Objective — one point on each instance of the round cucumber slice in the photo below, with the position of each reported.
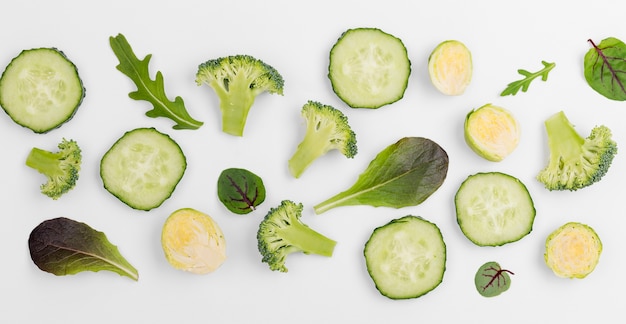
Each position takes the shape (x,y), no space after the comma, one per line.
(369,68)
(40,89)
(406,258)
(494,209)
(143,168)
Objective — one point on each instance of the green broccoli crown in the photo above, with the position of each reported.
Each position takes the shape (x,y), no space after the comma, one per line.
(327,129)
(61,168)
(256,74)
(576,162)
(282,232)
(238,80)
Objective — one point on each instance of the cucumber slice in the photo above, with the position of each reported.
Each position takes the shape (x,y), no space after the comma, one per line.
(40,89)
(494,209)
(369,68)
(143,168)
(406,258)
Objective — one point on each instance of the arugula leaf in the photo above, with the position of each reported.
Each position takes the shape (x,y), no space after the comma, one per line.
(491,280)
(150,90)
(403,174)
(605,68)
(240,190)
(524,83)
(62,246)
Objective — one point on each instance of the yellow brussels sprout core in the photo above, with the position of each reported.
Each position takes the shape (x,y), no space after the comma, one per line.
(492,132)
(192,241)
(573,250)
(450,67)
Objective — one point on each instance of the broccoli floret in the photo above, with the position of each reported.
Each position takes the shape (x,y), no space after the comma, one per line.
(238,80)
(327,129)
(282,232)
(61,167)
(575,162)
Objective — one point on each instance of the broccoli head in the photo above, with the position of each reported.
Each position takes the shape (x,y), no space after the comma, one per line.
(575,162)
(238,80)
(61,167)
(282,232)
(327,129)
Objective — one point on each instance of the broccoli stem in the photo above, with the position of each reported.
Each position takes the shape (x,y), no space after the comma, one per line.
(235,105)
(563,138)
(307,240)
(45,162)
(312,147)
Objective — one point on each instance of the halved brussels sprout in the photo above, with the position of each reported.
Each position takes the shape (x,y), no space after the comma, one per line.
(492,132)
(573,250)
(192,241)
(450,67)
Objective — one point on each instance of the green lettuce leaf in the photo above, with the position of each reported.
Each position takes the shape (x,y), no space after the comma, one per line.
(605,68)
(62,246)
(150,90)
(403,174)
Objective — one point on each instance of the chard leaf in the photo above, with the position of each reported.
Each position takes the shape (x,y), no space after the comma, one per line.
(403,174)
(62,246)
(491,280)
(605,68)
(150,90)
(240,190)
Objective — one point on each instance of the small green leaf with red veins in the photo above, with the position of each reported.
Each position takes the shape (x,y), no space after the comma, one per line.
(491,280)
(240,190)
(605,68)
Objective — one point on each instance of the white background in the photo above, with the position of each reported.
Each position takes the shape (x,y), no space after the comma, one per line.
(295,37)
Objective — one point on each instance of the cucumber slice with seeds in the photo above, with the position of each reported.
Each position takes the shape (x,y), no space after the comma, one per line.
(494,209)
(143,168)
(40,89)
(369,68)
(406,258)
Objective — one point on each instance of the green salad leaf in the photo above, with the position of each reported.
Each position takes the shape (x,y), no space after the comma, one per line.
(491,280)
(524,83)
(63,246)
(605,68)
(403,174)
(240,190)
(150,90)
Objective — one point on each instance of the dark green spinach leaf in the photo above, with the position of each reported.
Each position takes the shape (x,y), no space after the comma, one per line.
(403,174)
(605,68)
(240,190)
(63,246)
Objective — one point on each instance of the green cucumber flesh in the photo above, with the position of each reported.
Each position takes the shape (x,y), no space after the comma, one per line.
(369,68)
(143,168)
(40,89)
(406,258)
(494,209)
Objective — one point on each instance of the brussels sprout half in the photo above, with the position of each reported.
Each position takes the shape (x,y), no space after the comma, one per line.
(492,132)
(573,250)
(192,241)
(450,67)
